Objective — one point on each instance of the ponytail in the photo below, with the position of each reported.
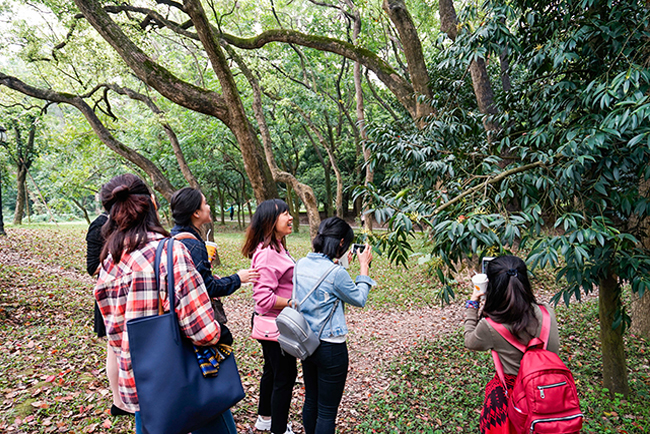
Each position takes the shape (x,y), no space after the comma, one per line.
(132,215)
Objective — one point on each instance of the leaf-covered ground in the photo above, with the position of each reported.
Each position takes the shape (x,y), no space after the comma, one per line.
(409,371)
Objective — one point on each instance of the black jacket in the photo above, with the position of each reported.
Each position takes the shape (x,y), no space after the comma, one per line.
(95,243)
(215,287)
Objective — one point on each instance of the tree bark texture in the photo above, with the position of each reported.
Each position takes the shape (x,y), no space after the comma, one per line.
(412,47)
(640,313)
(305,192)
(159,182)
(259,174)
(640,307)
(361,118)
(613,347)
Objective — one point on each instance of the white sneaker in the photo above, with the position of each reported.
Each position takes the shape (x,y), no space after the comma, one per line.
(289,431)
(263,425)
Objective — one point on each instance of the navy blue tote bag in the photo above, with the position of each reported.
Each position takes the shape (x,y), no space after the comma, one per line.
(174,396)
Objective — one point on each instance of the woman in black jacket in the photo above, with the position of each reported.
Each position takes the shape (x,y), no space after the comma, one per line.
(190,211)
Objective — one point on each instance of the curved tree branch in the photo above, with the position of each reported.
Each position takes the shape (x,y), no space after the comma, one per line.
(305,192)
(173,139)
(154,75)
(158,179)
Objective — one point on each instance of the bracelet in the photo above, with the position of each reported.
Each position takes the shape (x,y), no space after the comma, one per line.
(289,302)
(471,304)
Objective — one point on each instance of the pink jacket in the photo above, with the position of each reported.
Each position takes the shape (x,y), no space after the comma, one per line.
(276,279)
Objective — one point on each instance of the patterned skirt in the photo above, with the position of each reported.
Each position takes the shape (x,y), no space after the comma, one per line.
(494,416)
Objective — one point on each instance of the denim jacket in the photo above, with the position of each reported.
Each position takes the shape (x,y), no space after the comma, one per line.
(337,285)
(215,287)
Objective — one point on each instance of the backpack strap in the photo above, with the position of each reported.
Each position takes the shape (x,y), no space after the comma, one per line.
(184,236)
(545,333)
(315,286)
(512,340)
(336,303)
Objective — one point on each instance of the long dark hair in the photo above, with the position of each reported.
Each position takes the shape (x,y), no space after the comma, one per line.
(330,233)
(509,298)
(262,227)
(132,215)
(183,203)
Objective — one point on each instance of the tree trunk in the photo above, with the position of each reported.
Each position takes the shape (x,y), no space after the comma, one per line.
(259,173)
(222,202)
(28,209)
(412,46)
(613,347)
(292,210)
(21,175)
(82,208)
(640,308)
(640,313)
(330,154)
(478,71)
(305,192)
(229,109)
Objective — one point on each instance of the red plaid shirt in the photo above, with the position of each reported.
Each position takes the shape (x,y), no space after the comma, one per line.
(128,290)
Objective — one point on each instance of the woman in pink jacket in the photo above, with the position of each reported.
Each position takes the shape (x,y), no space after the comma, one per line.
(265,245)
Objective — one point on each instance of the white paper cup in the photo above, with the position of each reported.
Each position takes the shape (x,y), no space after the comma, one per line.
(480,282)
(211,247)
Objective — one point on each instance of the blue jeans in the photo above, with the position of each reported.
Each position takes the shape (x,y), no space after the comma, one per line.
(224,424)
(324,373)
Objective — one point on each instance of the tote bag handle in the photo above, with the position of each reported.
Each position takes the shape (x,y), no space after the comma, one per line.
(171,293)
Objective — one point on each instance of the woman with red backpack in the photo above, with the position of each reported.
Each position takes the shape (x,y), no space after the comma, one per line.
(509,301)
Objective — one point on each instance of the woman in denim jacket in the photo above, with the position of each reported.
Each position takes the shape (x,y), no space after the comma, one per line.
(326,370)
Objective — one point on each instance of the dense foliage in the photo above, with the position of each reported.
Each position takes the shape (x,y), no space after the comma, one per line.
(570,154)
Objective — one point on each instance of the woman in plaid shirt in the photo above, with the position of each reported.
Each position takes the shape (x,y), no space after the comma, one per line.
(126,287)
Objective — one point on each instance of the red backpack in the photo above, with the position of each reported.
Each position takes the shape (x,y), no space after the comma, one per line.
(544,398)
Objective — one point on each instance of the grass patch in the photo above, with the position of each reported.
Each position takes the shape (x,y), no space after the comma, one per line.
(438,387)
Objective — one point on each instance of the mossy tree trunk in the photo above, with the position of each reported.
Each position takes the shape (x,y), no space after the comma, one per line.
(613,347)
(227,108)
(412,47)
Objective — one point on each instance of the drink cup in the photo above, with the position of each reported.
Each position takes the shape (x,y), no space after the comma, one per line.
(211,247)
(480,282)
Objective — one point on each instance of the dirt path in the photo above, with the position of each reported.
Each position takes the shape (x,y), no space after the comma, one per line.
(376,337)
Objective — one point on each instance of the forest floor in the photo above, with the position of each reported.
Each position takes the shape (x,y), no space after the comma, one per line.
(408,369)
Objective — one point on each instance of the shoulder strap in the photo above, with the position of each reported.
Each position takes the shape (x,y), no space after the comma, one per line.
(512,340)
(170,274)
(336,303)
(316,285)
(506,334)
(156,270)
(545,332)
(184,236)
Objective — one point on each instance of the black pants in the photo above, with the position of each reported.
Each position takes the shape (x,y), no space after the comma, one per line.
(276,385)
(325,373)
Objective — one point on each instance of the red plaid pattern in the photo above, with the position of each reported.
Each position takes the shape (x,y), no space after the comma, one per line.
(127,290)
